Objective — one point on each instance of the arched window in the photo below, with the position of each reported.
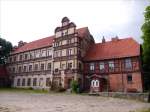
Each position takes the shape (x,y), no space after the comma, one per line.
(95,83)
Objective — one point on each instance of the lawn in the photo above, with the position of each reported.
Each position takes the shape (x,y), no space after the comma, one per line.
(25,90)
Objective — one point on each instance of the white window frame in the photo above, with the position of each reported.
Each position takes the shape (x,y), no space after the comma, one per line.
(95,83)
(92,66)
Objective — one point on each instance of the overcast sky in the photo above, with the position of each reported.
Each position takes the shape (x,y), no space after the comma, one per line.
(30,20)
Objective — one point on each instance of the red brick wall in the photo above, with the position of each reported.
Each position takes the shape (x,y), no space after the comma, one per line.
(117,84)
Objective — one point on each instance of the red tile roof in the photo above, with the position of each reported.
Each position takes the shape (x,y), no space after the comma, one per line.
(45,42)
(113,49)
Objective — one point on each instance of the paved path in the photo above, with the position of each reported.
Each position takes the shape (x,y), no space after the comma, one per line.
(28,102)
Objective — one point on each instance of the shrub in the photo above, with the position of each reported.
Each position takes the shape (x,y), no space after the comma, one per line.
(74,86)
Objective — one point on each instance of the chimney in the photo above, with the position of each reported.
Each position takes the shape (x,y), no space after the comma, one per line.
(103,39)
(21,43)
(115,39)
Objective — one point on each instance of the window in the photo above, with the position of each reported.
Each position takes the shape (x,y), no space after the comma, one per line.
(41,82)
(101,66)
(19,68)
(18,82)
(25,68)
(129,78)
(91,66)
(9,69)
(42,66)
(111,65)
(56,69)
(63,66)
(36,67)
(43,53)
(26,56)
(66,33)
(14,58)
(69,65)
(60,53)
(30,67)
(69,52)
(31,55)
(128,64)
(62,34)
(95,83)
(10,59)
(23,82)
(56,53)
(80,66)
(37,53)
(69,41)
(57,44)
(20,57)
(29,82)
(34,81)
(48,82)
(13,69)
(49,66)
(49,53)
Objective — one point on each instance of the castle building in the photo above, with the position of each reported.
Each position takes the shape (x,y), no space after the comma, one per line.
(72,54)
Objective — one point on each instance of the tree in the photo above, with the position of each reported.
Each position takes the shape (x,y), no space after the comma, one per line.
(146,37)
(146,46)
(5,49)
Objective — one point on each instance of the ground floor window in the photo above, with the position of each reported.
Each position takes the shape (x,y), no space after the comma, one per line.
(29,82)
(129,78)
(34,81)
(23,82)
(41,82)
(47,81)
(18,82)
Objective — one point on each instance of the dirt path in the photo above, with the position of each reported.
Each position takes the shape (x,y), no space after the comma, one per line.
(28,102)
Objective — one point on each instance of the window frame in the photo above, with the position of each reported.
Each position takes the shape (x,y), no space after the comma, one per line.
(92,66)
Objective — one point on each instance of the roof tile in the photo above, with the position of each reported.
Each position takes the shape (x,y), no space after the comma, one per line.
(113,49)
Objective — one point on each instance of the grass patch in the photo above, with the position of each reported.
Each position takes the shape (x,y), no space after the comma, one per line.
(25,90)
(144,110)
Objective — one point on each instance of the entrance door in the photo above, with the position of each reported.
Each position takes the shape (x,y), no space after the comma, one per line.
(95,84)
(69,83)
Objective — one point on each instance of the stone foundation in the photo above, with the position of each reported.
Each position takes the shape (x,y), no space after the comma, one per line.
(135,96)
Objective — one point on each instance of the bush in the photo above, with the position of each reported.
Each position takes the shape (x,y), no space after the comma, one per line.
(75,86)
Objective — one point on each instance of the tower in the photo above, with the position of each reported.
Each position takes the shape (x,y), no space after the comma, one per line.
(65,54)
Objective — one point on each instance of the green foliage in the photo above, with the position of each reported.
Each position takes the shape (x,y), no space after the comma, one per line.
(24,90)
(146,38)
(5,48)
(74,86)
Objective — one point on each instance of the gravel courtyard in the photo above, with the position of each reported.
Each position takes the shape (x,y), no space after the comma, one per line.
(32,102)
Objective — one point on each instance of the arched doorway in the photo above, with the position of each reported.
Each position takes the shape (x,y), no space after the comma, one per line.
(98,83)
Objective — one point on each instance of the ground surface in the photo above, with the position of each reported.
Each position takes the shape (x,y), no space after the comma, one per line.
(37,102)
